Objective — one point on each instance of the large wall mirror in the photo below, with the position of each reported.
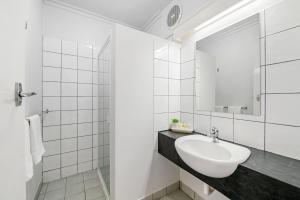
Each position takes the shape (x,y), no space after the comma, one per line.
(228,69)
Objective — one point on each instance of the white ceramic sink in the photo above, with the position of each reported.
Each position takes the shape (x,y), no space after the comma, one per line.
(216,160)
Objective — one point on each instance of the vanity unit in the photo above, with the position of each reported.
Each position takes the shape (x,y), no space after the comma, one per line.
(263,176)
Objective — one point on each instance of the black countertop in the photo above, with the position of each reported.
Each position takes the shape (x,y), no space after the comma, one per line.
(263,176)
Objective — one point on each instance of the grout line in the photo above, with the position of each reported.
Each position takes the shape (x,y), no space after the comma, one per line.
(265,89)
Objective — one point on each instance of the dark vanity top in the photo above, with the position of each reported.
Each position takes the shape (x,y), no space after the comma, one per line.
(263,176)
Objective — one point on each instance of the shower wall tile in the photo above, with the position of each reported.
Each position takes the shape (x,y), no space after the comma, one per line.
(51,59)
(69,61)
(70,93)
(69,47)
(52,44)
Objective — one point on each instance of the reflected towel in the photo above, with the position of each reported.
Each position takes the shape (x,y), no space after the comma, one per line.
(28,157)
(235,109)
(219,108)
(36,143)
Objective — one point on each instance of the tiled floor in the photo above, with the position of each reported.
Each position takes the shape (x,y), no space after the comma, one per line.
(177,195)
(85,186)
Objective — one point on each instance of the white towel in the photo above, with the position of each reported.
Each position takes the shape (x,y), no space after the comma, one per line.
(235,109)
(219,108)
(36,143)
(28,157)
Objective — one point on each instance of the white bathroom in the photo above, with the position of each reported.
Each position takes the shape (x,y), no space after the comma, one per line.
(150,100)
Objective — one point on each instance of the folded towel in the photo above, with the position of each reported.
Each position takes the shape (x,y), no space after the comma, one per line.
(36,143)
(235,109)
(28,157)
(219,108)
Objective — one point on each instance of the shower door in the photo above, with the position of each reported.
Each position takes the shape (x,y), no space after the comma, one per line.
(104,113)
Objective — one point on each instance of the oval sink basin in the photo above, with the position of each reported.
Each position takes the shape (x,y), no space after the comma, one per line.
(216,160)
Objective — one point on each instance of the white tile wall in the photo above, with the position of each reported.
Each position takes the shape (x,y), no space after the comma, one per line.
(283,78)
(70,82)
(225,127)
(249,133)
(276,129)
(283,140)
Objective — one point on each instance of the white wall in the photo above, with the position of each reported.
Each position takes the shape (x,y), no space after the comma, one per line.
(277,127)
(67,24)
(137,169)
(33,79)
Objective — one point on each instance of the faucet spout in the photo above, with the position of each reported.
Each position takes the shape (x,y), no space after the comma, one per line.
(214,134)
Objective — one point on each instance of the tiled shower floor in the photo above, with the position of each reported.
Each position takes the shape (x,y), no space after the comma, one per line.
(84,186)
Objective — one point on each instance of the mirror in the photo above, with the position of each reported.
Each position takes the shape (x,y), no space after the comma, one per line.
(228,69)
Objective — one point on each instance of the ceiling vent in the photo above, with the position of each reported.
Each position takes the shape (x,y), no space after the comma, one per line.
(174,16)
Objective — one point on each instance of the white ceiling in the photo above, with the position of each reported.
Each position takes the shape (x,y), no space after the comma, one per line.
(132,12)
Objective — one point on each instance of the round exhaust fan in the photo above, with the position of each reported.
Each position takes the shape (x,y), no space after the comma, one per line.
(174,16)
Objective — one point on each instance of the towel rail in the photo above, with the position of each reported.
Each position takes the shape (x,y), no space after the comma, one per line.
(41,115)
(243,108)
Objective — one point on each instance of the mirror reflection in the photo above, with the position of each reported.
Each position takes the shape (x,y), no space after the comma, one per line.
(227,69)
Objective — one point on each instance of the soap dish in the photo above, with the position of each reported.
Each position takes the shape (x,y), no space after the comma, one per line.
(181,130)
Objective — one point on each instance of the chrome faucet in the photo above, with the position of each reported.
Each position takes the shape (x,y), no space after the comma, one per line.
(214,134)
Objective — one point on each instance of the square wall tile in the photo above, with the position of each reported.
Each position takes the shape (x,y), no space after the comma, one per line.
(283,140)
(85,90)
(174,53)
(225,127)
(160,86)
(174,103)
(85,116)
(51,133)
(188,119)
(160,104)
(174,71)
(85,129)
(68,171)
(283,109)
(52,44)
(51,74)
(86,166)
(51,119)
(68,131)
(283,78)
(51,162)
(187,70)
(187,104)
(85,76)
(51,59)
(174,87)
(161,68)
(52,147)
(69,75)
(68,145)
(281,47)
(51,103)
(249,133)
(85,63)
(85,103)
(69,47)
(69,61)
(202,124)
(161,122)
(69,89)
(68,159)
(187,87)
(51,89)
(68,117)
(51,175)
(85,142)
(69,103)
(161,50)
(85,50)
(85,155)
